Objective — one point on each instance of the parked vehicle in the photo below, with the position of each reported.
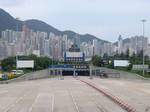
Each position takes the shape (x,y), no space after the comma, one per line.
(17,72)
(11,75)
(4,76)
(1,75)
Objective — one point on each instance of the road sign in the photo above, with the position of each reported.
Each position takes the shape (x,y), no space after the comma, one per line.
(61,66)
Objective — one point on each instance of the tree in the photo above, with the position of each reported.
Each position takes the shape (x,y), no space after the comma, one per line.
(105,56)
(127,54)
(136,59)
(140,54)
(96,60)
(8,64)
(39,62)
(122,56)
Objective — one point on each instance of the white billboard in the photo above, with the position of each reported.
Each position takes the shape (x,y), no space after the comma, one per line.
(74,54)
(139,67)
(36,52)
(25,64)
(121,63)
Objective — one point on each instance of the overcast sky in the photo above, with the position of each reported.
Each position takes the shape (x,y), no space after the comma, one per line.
(106,19)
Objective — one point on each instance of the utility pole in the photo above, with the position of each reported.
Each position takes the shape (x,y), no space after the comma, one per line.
(143,22)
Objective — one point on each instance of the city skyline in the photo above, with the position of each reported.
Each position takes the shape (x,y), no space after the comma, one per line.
(28,42)
(104,19)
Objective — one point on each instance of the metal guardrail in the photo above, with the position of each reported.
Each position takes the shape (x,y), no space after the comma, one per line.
(113,75)
(109,74)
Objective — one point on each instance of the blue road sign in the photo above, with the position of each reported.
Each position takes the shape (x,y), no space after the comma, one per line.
(61,66)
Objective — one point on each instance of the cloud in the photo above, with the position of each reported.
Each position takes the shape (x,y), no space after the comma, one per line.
(103,18)
(11,3)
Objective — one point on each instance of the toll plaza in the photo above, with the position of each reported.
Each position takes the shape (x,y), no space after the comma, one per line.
(74,70)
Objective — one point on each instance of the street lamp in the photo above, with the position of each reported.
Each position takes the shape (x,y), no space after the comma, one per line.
(16,33)
(143,21)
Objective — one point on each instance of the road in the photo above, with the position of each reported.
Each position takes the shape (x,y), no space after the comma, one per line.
(53,95)
(134,92)
(71,95)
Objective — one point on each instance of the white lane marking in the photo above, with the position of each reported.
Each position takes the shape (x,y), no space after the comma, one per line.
(17,101)
(31,108)
(36,99)
(75,103)
(53,101)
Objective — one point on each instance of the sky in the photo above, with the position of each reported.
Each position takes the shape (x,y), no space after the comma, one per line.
(106,19)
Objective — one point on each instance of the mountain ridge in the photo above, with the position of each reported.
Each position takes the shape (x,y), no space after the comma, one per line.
(9,22)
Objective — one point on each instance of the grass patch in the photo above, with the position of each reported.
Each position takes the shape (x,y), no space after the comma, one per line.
(139,72)
(122,68)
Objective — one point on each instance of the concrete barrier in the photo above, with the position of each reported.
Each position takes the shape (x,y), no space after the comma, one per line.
(115,99)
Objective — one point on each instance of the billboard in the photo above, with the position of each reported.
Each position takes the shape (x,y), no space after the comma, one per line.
(121,63)
(140,67)
(25,63)
(36,52)
(74,54)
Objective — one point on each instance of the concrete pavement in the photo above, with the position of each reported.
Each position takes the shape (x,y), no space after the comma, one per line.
(71,95)
(134,92)
(53,95)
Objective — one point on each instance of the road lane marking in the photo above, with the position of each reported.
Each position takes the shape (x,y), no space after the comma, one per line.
(31,108)
(16,102)
(74,102)
(53,101)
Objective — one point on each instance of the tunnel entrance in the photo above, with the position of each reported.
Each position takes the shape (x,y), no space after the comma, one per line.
(83,73)
(67,73)
(69,70)
(79,73)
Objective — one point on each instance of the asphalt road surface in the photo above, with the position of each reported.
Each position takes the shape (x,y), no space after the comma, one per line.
(71,95)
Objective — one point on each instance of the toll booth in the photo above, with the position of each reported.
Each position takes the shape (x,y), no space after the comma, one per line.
(74,70)
(58,70)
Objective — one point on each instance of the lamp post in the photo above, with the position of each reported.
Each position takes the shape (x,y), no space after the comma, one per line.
(16,36)
(143,22)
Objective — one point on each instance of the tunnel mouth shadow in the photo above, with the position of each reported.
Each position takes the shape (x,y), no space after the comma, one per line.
(79,73)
